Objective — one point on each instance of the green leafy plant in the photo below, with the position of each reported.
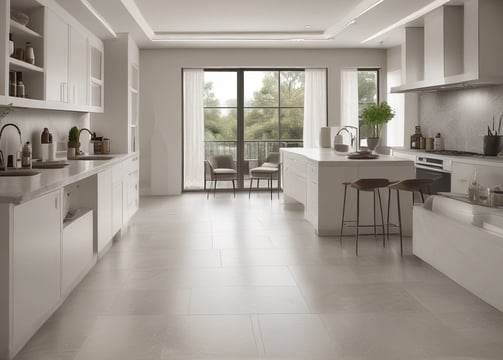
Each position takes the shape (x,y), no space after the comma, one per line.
(73,135)
(376,115)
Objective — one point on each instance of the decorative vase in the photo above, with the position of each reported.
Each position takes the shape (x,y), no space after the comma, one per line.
(372,143)
(74,144)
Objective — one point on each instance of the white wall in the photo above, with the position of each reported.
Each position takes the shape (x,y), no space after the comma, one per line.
(31,122)
(161,97)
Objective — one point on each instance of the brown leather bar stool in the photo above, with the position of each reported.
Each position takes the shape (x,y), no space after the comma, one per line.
(410,185)
(373,185)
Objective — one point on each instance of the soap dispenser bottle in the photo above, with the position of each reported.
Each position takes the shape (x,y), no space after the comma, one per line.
(26,156)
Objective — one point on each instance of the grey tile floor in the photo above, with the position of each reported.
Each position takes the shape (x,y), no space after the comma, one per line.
(232,278)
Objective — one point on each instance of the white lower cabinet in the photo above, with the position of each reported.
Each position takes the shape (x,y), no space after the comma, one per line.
(77,249)
(104,208)
(36,271)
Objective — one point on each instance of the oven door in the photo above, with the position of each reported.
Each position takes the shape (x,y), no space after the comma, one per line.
(442,180)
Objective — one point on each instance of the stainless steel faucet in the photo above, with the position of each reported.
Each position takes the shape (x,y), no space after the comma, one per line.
(93,135)
(3,165)
(354,137)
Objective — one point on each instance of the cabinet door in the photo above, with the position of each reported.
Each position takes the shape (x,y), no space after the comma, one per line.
(36,264)
(57,58)
(104,216)
(78,68)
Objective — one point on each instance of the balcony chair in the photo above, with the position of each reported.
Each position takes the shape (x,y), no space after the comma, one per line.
(269,171)
(220,168)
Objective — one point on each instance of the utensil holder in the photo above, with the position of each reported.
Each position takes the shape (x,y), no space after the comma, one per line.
(491,145)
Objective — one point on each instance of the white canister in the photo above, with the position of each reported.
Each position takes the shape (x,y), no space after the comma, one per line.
(51,149)
(325,137)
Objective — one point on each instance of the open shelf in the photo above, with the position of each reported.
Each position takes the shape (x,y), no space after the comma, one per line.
(18,29)
(20,65)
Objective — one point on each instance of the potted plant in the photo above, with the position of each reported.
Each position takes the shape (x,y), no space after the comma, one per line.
(375,116)
(73,139)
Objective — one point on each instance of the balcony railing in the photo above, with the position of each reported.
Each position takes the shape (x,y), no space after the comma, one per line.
(254,150)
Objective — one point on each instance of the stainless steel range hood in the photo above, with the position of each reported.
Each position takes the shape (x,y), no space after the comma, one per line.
(463,81)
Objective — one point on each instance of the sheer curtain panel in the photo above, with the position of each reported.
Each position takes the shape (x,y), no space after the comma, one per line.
(193,128)
(315,106)
(349,97)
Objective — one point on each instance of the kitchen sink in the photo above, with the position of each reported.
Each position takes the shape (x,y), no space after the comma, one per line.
(93,157)
(19,172)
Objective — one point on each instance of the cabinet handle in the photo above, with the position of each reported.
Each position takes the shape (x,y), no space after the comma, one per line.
(55,202)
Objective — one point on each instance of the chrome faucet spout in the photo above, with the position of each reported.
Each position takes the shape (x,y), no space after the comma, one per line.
(93,135)
(353,137)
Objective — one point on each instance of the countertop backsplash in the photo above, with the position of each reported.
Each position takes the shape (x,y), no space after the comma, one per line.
(31,122)
(460,116)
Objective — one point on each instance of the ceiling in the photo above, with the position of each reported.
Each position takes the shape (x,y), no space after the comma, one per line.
(257,23)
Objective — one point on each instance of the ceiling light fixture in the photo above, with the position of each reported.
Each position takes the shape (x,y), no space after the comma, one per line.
(415,15)
(369,8)
(98,16)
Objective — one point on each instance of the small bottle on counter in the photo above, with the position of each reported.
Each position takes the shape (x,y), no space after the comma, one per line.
(415,140)
(438,144)
(26,156)
(12,83)
(45,137)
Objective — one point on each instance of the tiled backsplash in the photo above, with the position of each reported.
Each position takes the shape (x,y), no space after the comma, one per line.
(460,116)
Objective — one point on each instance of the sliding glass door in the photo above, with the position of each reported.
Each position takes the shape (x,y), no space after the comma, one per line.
(250,113)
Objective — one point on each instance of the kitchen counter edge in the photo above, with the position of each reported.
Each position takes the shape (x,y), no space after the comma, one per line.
(81,172)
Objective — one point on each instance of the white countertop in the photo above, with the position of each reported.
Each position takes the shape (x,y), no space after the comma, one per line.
(328,157)
(476,160)
(18,189)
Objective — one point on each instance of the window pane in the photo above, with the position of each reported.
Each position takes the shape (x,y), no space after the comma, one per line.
(220,88)
(261,88)
(292,123)
(261,124)
(220,124)
(367,88)
(292,88)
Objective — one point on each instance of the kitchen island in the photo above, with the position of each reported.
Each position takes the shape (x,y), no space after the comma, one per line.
(314,177)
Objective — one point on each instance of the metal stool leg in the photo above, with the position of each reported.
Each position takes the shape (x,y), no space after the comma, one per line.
(399,220)
(215,188)
(387,219)
(422,195)
(343,212)
(251,184)
(382,220)
(375,227)
(357,218)
(270,180)
(234,188)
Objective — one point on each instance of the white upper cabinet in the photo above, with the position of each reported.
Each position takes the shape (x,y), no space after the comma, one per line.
(79,73)
(56,81)
(461,48)
(65,53)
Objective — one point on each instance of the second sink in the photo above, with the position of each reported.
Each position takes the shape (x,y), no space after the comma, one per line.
(93,157)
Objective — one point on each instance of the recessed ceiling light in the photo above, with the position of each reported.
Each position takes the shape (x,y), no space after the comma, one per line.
(307,27)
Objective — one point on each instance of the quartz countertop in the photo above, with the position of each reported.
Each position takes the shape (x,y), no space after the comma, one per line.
(18,189)
(476,159)
(328,157)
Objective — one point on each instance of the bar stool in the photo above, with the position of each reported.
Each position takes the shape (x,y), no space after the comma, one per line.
(410,185)
(373,185)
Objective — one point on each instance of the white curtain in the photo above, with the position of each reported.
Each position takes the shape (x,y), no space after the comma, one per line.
(349,97)
(315,106)
(193,128)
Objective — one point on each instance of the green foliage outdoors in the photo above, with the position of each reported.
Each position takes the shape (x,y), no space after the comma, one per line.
(262,116)
(376,115)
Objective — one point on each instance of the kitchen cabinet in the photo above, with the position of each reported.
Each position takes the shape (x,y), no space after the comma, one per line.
(117,197)
(131,186)
(76,249)
(57,58)
(104,211)
(65,55)
(314,178)
(36,273)
(120,121)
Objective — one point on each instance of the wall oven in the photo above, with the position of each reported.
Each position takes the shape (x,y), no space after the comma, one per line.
(439,170)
